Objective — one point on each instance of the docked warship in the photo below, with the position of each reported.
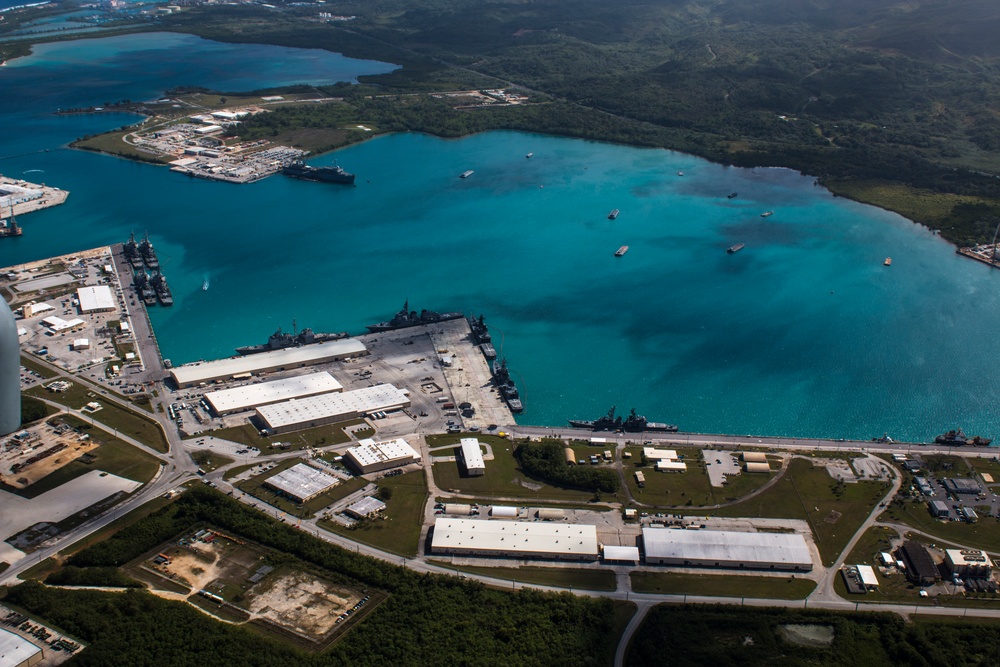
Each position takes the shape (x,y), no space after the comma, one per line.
(334,174)
(958,438)
(131,251)
(148,254)
(505,385)
(632,424)
(407,318)
(144,288)
(481,337)
(280,340)
(163,293)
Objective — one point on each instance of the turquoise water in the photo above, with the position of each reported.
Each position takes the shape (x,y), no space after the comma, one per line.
(803,332)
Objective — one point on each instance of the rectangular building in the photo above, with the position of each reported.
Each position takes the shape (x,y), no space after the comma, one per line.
(516,539)
(754,457)
(923,486)
(724,548)
(301,483)
(920,567)
(665,465)
(312,411)
(95,299)
(659,454)
(968,563)
(365,508)
(238,399)
(190,375)
(757,466)
(868,578)
(59,325)
(962,485)
(458,509)
(16,651)
(621,554)
(369,456)
(472,456)
(939,509)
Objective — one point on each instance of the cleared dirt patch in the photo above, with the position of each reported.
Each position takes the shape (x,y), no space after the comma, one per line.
(301,602)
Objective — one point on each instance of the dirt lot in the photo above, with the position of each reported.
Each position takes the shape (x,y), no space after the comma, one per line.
(42,438)
(301,602)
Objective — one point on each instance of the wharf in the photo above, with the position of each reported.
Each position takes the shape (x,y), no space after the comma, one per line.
(982,254)
(27,197)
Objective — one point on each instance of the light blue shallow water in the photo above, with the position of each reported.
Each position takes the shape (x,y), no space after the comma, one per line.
(803,332)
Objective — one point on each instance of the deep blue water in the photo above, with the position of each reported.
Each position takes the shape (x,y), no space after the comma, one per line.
(803,332)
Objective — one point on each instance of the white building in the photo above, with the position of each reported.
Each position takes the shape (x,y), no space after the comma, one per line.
(517,539)
(366,507)
(666,465)
(95,299)
(301,483)
(621,554)
(32,309)
(370,456)
(867,575)
(659,454)
(472,455)
(754,457)
(59,325)
(81,344)
(16,651)
(312,411)
(190,375)
(725,548)
(251,396)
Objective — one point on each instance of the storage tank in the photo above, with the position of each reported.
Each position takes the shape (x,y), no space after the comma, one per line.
(10,372)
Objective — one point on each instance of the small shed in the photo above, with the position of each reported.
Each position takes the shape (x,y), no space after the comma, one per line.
(640,479)
(570,456)
(503,511)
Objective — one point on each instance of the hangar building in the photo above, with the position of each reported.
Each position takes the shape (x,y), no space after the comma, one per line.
(725,548)
(300,413)
(518,539)
(190,375)
(238,399)
(370,456)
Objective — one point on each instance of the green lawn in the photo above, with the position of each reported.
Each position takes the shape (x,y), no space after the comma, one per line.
(873,541)
(723,585)
(984,534)
(834,511)
(31,364)
(398,530)
(587,579)
(321,436)
(209,461)
(503,478)
(255,487)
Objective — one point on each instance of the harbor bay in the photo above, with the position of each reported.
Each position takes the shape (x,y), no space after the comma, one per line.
(803,332)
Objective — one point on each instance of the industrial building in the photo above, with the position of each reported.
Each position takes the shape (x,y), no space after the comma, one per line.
(939,509)
(920,567)
(59,325)
(756,466)
(868,578)
(477,537)
(32,309)
(754,457)
(570,456)
(503,512)
(665,465)
(366,507)
(962,485)
(968,563)
(723,548)
(238,399)
(369,456)
(652,454)
(472,457)
(301,483)
(16,651)
(203,372)
(923,486)
(612,554)
(312,411)
(95,299)
(458,509)
(551,514)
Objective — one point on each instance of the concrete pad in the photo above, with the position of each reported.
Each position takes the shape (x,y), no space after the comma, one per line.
(728,464)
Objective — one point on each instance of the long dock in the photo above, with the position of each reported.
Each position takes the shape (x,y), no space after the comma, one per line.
(26,197)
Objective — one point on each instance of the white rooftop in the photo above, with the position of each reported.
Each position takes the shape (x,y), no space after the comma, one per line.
(630,554)
(515,536)
(726,546)
(659,454)
(967,557)
(15,649)
(368,452)
(252,395)
(472,454)
(252,363)
(302,481)
(366,399)
(95,297)
(666,464)
(867,574)
(365,506)
(59,324)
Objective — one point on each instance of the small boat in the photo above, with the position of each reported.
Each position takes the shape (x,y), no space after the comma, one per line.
(680,173)
(529,155)
(614,214)
(767,214)
(466,174)
(621,251)
(887,262)
(735,248)
(732,195)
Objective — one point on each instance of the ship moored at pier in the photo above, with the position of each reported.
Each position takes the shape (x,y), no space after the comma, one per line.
(632,424)
(957,438)
(505,385)
(281,340)
(334,174)
(407,318)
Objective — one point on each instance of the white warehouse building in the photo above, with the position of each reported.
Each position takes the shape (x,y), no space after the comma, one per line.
(95,299)
(472,456)
(370,456)
(518,539)
(312,411)
(238,399)
(725,548)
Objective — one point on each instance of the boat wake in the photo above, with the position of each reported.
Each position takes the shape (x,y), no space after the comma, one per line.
(204,284)
(34,171)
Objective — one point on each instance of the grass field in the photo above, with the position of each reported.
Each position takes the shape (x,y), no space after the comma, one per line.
(984,534)
(723,585)
(321,436)
(255,487)
(33,365)
(569,577)
(503,478)
(833,510)
(398,530)
(209,461)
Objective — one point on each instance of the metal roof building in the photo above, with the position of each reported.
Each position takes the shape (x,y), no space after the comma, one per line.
(472,456)
(300,413)
(190,375)
(968,563)
(460,509)
(664,465)
(757,466)
(515,538)
(503,511)
(920,566)
(965,485)
(370,456)
(724,548)
(659,454)
(755,457)
(621,554)
(95,299)
(867,574)
(365,507)
(16,651)
(301,482)
(251,396)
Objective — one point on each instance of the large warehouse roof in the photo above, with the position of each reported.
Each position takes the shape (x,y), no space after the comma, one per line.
(292,357)
(726,547)
(514,537)
(302,481)
(252,395)
(281,416)
(97,297)
(15,649)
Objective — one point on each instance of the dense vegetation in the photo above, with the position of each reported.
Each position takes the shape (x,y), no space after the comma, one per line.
(546,461)
(693,636)
(32,410)
(427,620)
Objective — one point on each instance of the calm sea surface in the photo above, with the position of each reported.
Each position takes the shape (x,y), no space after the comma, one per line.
(804,332)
